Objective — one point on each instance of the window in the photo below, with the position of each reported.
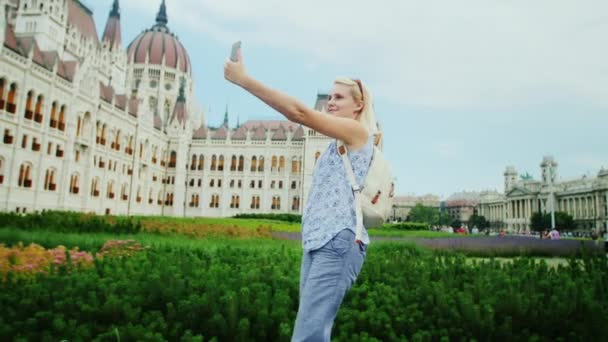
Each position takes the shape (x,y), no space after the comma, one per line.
(49,180)
(2,100)
(24,141)
(62,119)
(281,163)
(235,202)
(241,163)
(220,166)
(254,164)
(201,162)
(276,203)
(11,107)
(295,204)
(232,183)
(29,113)
(212,183)
(95,187)
(280,184)
(25,179)
(8,138)
(53,123)
(193,163)
(38,112)
(293,185)
(259,184)
(74,184)
(233,163)
(213,163)
(215,201)
(1,170)
(173,159)
(255,202)
(261,164)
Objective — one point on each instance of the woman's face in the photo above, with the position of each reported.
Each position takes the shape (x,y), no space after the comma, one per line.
(341,102)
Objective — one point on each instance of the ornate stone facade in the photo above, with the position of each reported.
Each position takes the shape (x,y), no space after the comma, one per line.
(585,198)
(88,125)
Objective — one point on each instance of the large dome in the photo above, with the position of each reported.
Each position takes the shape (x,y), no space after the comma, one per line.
(157,44)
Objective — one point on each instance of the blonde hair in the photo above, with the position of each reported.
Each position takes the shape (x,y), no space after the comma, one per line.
(367,117)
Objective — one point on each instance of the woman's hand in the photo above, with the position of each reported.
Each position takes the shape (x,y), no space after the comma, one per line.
(235,71)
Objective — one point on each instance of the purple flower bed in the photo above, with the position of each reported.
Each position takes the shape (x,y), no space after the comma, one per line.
(494,245)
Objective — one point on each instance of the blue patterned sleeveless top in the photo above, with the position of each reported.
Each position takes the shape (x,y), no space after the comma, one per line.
(330,207)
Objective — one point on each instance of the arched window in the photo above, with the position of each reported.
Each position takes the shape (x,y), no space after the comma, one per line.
(138,198)
(213,163)
(220,166)
(25,179)
(295,205)
(254,164)
(201,162)
(317,155)
(173,160)
(124,191)
(74,188)
(62,119)
(11,105)
(2,99)
(1,170)
(49,180)
(294,165)
(261,164)
(110,190)
(38,112)
(95,187)
(29,113)
(151,196)
(273,166)
(241,163)
(281,163)
(193,163)
(233,163)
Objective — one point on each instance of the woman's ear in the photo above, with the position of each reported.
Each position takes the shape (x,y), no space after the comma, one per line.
(359,108)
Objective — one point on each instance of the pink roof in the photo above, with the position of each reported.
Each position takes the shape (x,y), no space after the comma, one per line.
(279,134)
(106,93)
(180,113)
(82,18)
(220,133)
(298,134)
(70,69)
(200,133)
(158,123)
(240,134)
(270,124)
(156,44)
(121,101)
(259,134)
(10,41)
(133,106)
(112,34)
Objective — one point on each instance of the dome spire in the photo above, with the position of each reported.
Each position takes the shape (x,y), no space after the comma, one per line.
(115,12)
(161,17)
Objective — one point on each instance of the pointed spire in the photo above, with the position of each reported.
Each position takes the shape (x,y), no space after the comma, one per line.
(161,17)
(112,32)
(226,117)
(115,12)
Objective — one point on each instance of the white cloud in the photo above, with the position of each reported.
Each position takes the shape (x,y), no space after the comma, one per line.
(470,54)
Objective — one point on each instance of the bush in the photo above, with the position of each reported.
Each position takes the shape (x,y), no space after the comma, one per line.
(292,218)
(406,226)
(70,222)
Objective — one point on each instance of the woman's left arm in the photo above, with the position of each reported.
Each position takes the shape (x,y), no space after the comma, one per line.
(347,130)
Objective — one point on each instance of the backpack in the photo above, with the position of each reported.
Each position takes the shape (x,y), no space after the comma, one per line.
(374,199)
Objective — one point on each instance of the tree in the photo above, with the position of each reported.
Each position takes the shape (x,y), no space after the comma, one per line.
(432,216)
(542,221)
(478,221)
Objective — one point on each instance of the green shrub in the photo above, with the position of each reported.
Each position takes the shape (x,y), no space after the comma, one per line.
(278,217)
(68,221)
(407,226)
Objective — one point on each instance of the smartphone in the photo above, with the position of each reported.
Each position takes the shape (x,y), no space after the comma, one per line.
(234,54)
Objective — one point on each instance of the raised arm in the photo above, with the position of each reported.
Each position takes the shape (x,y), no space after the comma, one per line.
(348,130)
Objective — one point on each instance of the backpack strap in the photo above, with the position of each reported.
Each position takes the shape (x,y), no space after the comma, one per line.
(343,152)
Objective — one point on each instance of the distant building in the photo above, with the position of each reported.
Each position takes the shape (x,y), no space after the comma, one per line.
(90,125)
(402,205)
(585,198)
(461,205)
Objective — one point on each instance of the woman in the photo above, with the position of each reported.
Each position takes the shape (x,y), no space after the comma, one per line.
(332,259)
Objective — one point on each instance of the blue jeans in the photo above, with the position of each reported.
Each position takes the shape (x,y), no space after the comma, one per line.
(326,274)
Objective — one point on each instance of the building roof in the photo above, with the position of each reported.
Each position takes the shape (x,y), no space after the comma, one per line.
(298,134)
(279,134)
(82,18)
(259,133)
(112,34)
(270,124)
(158,44)
(200,133)
(240,134)
(220,134)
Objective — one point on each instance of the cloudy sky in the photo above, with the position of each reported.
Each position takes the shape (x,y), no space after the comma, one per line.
(462,88)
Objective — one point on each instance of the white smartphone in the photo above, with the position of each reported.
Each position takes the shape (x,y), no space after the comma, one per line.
(234,54)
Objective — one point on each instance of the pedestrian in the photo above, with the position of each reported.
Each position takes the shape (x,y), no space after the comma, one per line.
(332,259)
